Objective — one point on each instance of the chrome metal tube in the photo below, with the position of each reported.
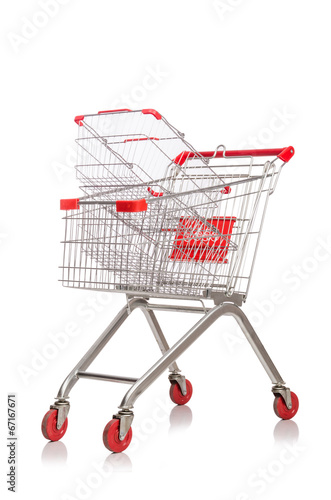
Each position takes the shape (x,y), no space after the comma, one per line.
(107,378)
(257,346)
(189,338)
(97,347)
(158,334)
(174,308)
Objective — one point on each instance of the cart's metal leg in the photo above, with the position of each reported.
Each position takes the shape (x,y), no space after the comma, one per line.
(187,340)
(253,339)
(97,347)
(62,403)
(164,347)
(159,336)
(257,345)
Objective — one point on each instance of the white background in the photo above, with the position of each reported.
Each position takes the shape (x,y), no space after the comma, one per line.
(241,73)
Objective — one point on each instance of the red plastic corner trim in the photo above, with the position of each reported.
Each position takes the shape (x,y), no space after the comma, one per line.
(152,112)
(182,157)
(79,119)
(143,139)
(113,111)
(157,194)
(72,204)
(131,205)
(286,154)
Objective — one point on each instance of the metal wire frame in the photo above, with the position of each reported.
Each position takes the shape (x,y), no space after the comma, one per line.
(140,151)
(203,222)
(109,250)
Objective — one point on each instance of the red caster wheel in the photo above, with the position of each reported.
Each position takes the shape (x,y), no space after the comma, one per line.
(111,438)
(49,429)
(281,409)
(176,394)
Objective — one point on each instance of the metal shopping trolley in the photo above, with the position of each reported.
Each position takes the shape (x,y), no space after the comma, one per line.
(159,219)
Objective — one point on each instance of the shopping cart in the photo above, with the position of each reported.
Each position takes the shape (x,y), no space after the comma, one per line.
(159,219)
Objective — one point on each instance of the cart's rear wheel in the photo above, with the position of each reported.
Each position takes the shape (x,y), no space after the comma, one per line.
(281,409)
(111,437)
(176,394)
(49,429)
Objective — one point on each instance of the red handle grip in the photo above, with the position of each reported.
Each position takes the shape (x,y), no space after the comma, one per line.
(71,204)
(284,154)
(131,205)
(121,205)
(113,111)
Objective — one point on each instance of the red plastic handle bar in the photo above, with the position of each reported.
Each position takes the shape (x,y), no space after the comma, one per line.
(72,204)
(121,205)
(156,114)
(131,205)
(113,111)
(284,154)
(153,112)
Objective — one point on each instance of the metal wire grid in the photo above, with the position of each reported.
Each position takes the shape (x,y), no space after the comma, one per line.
(127,150)
(132,252)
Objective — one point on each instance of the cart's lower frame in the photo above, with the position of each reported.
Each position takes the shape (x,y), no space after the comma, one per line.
(223,306)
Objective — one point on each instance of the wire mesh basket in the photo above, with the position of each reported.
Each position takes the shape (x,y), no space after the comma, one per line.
(159,218)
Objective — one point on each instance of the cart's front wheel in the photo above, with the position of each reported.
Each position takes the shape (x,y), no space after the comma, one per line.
(111,437)
(281,409)
(176,394)
(49,429)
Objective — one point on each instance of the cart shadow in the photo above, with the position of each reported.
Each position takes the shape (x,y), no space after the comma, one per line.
(180,419)
(286,432)
(54,453)
(118,462)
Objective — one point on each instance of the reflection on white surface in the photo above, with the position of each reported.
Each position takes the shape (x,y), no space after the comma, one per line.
(118,462)
(54,453)
(286,432)
(180,418)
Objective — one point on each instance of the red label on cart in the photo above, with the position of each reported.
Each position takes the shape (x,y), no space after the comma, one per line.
(195,240)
